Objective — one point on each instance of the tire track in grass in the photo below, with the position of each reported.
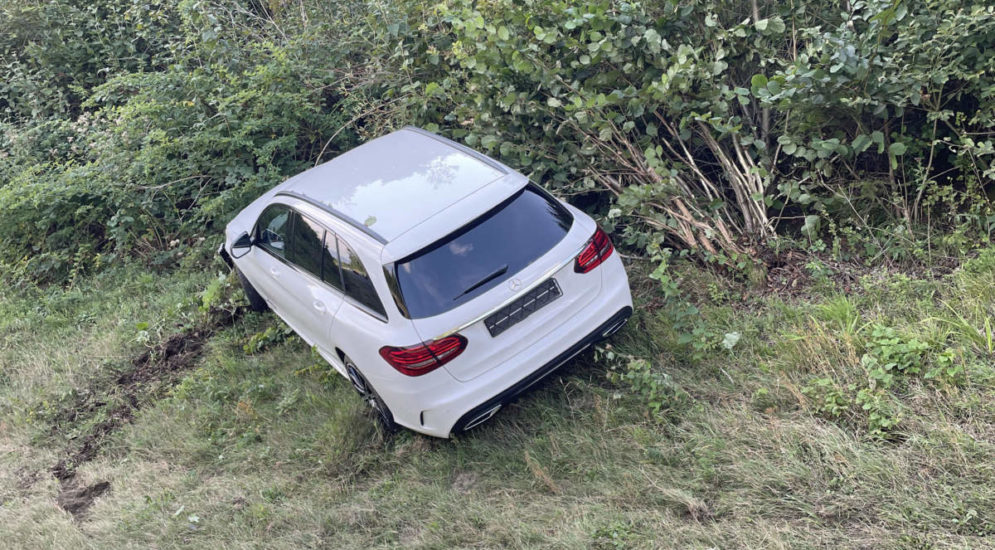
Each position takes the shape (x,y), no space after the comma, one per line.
(149,371)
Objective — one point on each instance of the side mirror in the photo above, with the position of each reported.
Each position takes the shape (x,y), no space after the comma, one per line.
(242,246)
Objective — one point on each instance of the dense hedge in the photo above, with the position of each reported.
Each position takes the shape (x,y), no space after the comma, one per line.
(711,121)
(716,126)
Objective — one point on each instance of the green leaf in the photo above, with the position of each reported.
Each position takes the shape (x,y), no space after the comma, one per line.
(861,143)
(897,149)
(758,81)
(730,340)
(811,226)
(878,138)
(503,33)
(652,40)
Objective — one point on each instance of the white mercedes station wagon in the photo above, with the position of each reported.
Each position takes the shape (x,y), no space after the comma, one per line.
(439,281)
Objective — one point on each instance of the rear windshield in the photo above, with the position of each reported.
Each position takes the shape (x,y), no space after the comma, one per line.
(481,255)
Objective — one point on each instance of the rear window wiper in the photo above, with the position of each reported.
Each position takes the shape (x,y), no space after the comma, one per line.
(497,273)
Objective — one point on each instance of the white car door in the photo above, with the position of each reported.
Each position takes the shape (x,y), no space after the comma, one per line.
(265,264)
(361,321)
(315,292)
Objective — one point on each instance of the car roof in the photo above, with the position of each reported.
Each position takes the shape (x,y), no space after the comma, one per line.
(395,182)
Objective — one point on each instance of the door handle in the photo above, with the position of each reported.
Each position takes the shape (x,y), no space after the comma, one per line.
(319,306)
(274,272)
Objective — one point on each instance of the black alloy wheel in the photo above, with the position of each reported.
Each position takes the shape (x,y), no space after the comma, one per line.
(256,301)
(369,395)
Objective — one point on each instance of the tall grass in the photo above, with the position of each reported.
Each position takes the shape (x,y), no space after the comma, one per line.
(272,450)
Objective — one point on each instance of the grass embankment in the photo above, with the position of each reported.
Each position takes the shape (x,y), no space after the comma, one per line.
(794,437)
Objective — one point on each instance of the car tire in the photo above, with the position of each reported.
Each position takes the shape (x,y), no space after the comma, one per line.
(385,419)
(256,301)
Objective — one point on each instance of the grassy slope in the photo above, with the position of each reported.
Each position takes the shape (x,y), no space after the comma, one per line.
(266,450)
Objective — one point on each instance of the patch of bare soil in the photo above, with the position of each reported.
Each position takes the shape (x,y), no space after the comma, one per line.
(25,478)
(148,371)
(77,499)
(788,273)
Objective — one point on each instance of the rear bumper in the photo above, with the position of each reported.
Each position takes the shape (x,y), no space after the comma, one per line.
(449,406)
(487,409)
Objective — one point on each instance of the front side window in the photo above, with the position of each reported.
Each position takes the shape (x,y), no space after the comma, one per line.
(356,280)
(304,249)
(272,229)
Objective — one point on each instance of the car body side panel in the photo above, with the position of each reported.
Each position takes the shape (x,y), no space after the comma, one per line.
(365,333)
(315,306)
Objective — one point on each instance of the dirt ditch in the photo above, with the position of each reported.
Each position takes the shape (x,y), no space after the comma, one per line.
(146,375)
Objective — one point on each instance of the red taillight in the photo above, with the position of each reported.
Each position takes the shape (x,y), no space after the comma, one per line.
(419,360)
(597,250)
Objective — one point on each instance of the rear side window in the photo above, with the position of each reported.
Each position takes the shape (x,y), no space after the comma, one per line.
(304,249)
(482,254)
(330,271)
(272,229)
(356,280)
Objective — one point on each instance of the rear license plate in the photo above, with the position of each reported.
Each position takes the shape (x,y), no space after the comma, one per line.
(520,309)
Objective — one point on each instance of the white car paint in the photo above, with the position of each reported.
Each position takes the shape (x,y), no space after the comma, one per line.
(388,199)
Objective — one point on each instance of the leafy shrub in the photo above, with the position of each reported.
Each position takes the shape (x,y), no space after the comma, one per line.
(261,341)
(55,52)
(707,125)
(705,121)
(888,354)
(889,361)
(164,156)
(663,397)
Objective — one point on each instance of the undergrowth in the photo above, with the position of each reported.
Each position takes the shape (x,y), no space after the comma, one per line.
(757,439)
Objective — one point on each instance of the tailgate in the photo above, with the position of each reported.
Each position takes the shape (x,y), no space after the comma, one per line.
(522,310)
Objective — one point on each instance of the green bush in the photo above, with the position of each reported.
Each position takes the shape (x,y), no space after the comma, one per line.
(55,52)
(163,157)
(890,361)
(714,122)
(705,125)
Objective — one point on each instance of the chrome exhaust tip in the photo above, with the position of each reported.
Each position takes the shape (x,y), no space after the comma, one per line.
(614,328)
(482,417)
